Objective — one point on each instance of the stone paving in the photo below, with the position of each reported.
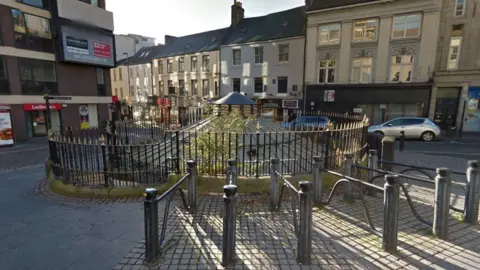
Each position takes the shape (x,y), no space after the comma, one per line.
(32,153)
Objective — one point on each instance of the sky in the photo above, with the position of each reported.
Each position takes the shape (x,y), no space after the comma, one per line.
(157,18)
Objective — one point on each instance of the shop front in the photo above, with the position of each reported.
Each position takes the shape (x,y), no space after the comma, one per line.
(278,109)
(471,116)
(379,102)
(36,118)
(6,127)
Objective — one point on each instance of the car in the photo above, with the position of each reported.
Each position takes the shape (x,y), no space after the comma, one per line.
(414,128)
(307,123)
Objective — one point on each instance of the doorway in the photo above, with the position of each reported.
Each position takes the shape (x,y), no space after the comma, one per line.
(446,107)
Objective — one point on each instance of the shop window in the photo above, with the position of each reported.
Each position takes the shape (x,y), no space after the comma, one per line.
(236,85)
(365,30)
(4,84)
(282,85)
(362,70)
(406,26)
(326,72)
(258,88)
(37,76)
(32,32)
(402,68)
(329,34)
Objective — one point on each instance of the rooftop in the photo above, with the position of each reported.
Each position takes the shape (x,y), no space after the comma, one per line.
(326,4)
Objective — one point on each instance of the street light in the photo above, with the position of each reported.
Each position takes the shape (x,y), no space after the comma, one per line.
(46,91)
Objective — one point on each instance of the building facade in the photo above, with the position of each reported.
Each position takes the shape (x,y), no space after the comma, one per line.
(456,91)
(129,44)
(59,47)
(263,58)
(371,57)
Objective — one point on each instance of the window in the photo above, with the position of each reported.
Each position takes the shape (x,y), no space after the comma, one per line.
(406,26)
(181,64)
(365,30)
(101,89)
(94,3)
(205,88)
(258,55)
(402,67)
(326,72)
(329,34)
(121,93)
(3,69)
(362,70)
(31,32)
(137,70)
(4,84)
(258,88)
(454,53)
(114,75)
(160,67)
(216,88)
(181,87)
(161,86)
(460,7)
(283,53)
(237,57)
(236,85)
(115,93)
(171,88)
(206,63)
(193,63)
(194,87)
(169,65)
(45,4)
(120,71)
(282,85)
(36,76)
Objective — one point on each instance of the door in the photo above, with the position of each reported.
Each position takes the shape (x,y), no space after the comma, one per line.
(446,112)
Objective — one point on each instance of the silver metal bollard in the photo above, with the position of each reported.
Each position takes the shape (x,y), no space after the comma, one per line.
(229,224)
(232,172)
(274,184)
(443,187)
(391,203)
(472,194)
(304,250)
(317,179)
(192,186)
(150,209)
(348,194)
(372,164)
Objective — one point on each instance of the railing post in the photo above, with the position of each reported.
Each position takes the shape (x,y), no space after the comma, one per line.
(472,193)
(232,172)
(150,208)
(388,152)
(105,164)
(372,164)
(304,249)
(274,188)
(443,187)
(229,224)
(192,186)
(391,203)
(347,195)
(317,179)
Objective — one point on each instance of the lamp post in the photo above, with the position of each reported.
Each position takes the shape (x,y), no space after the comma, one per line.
(47,111)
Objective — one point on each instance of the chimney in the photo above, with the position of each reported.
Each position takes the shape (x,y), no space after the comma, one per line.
(169,39)
(238,13)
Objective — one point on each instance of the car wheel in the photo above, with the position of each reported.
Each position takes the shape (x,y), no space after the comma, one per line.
(427,136)
(379,133)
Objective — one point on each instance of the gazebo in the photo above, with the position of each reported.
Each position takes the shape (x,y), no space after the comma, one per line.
(235,100)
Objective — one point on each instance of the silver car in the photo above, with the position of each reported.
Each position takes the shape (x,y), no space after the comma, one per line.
(414,128)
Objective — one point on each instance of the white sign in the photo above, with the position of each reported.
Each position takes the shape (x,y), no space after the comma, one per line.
(6,131)
(329,95)
(383,106)
(290,104)
(357,110)
(83,110)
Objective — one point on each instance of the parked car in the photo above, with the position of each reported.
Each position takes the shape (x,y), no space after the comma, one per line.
(307,123)
(414,128)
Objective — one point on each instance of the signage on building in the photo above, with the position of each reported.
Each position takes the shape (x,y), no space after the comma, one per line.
(329,95)
(163,101)
(6,129)
(84,117)
(290,104)
(42,107)
(357,110)
(86,47)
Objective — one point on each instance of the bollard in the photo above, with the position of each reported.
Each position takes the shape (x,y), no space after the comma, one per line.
(192,186)
(391,203)
(274,188)
(229,224)
(347,195)
(317,179)
(401,145)
(150,206)
(372,164)
(443,187)
(472,193)
(388,152)
(232,172)
(304,249)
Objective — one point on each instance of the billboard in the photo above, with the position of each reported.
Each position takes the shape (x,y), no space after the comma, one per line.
(87,47)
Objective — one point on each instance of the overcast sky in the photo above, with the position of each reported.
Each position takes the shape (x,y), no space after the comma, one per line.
(156,18)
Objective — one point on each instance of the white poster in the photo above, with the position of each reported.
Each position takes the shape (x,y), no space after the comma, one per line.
(6,131)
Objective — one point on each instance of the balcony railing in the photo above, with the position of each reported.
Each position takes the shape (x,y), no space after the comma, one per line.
(83,12)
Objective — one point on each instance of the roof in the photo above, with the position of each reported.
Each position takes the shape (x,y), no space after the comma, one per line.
(144,56)
(200,42)
(235,98)
(325,4)
(284,24)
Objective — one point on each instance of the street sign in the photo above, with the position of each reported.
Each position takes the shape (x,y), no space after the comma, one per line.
(83,110)
(57,98)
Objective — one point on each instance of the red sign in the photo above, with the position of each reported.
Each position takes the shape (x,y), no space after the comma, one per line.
(41,107)
(101,50)
(163,101)
(114,99)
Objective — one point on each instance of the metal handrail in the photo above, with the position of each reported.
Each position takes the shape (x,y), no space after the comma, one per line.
(291,190)
(416,167)
(406,176)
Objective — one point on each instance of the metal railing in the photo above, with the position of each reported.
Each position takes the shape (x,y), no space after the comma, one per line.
(155,239)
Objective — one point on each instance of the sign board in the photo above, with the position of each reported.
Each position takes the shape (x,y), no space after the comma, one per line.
(84,117)
(357,110)
(83,110)
(329,95)
(56,98)
(383,106)
(42,107)
(87,47)
(290,104)
(6,129)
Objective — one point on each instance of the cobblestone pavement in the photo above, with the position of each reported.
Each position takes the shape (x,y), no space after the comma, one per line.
(32,153)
